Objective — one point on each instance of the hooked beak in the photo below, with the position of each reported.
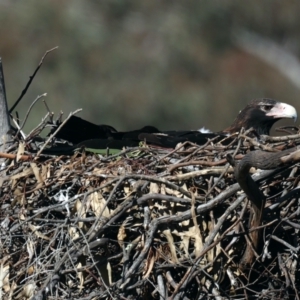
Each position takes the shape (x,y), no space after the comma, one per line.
(283,110)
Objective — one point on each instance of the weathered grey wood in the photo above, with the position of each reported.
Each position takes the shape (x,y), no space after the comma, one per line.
(4,116)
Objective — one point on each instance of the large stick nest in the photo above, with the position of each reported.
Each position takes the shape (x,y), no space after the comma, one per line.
(145,223)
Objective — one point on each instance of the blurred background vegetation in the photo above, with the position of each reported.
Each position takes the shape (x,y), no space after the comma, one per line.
(172,64)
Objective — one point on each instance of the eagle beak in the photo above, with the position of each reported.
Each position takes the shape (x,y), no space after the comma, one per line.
(283,110)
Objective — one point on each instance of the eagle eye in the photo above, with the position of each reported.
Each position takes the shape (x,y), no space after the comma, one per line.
(267,107)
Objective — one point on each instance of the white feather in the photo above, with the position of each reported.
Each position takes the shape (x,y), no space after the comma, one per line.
(204,130)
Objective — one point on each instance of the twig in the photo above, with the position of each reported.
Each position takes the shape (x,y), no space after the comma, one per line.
(28,111)
(30,80)
(56,131)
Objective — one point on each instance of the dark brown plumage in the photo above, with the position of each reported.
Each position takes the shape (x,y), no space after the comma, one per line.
(259,114)
(266,161)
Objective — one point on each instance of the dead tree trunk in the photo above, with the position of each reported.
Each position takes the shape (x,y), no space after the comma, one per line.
(4,115)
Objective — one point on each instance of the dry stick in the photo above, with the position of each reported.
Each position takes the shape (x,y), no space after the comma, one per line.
(199,148)
(88,249)
(226,167)
(106,159)
(28,111)
(286,244)
(35,131)
(286,130)
(283,269)
(89,233)
(167,155)
(222,219)
(281,138)
(51,114)
(53,277)
(182,217)
(56,131)
(202,163)
(13,156)
(190,272)
(257,144)
(127,204)
(203,252)
(30,80)
(62,260)
(236,230)
(18,127)
(282,200)
(292,224)
(177,150)
(49,281)
(168,183)
(234,136)
(52,207)
(193,174)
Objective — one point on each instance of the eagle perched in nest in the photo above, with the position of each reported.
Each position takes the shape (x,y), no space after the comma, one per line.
(259,114)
